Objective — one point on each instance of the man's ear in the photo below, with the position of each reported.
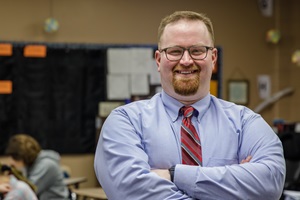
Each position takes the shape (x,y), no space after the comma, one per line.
(214,56)
(157,59)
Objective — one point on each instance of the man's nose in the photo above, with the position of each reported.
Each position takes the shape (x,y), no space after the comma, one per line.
(186,58)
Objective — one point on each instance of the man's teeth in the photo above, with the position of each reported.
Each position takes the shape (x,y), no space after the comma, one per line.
(185,72)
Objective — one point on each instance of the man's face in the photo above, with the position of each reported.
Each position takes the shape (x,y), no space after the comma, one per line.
(187,80)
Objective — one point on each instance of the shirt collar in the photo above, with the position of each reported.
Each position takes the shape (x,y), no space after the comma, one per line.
(172,105)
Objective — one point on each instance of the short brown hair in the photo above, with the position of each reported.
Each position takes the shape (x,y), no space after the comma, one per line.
(22,147)
(189,15)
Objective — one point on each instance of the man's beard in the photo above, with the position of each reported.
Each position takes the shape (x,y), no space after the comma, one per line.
(186,87)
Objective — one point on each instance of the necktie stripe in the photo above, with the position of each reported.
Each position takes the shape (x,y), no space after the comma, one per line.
(186,159)
(190,141)
(190,133)
(190,144)
(191,154)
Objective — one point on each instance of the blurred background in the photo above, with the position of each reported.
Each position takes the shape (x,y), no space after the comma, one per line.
(54,66)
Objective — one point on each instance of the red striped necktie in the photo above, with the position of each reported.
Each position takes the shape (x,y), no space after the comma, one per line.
(190,141)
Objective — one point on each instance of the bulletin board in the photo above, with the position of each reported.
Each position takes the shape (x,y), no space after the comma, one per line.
(52,92)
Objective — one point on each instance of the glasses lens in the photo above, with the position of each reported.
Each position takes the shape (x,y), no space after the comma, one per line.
(174,53)
(198,52)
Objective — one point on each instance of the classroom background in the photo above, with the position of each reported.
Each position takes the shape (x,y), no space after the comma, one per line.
(259,63)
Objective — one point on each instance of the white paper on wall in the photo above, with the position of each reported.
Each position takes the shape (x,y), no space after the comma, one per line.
(118,86)
(139,84)
(266,7)
(141,60)
(129,60)
(119,61)
(128,72)
(264,86)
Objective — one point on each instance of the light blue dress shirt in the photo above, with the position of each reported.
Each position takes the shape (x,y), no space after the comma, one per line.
(145,135)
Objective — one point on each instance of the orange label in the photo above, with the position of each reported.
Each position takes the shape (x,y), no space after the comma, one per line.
(5,49)
(38,51)
(5,87)
(214,87)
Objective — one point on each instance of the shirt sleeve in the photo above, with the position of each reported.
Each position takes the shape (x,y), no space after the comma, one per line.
(262,178)
(121,164)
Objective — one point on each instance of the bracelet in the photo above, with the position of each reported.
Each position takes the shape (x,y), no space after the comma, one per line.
(171,171)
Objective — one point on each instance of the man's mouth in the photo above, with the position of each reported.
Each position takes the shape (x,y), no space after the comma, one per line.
(186,72)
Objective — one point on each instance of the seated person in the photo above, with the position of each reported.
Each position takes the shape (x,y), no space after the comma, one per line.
(13,189)
(40,167)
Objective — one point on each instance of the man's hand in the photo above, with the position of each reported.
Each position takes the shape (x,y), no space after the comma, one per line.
(164,173)
(246,160)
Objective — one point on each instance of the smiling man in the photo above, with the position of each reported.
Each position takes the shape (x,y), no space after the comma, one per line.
(185,143)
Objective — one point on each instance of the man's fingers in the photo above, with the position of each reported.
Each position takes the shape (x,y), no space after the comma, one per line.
(246,160)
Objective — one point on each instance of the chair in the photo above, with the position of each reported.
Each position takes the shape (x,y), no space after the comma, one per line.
(291,147)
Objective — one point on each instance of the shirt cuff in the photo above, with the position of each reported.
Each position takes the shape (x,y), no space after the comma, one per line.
(185,177)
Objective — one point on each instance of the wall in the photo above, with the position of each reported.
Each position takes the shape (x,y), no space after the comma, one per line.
(287,73)
(239,26)
(81,165)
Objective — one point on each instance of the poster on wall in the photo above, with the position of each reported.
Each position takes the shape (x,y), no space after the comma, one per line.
(238,91)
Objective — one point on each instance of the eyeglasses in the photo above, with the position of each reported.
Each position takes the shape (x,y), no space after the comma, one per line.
(176,53)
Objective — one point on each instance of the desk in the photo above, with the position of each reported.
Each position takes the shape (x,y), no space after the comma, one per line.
(90,193)
(290,194)
(74,181)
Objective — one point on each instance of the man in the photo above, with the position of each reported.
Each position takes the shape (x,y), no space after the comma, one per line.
(144,153)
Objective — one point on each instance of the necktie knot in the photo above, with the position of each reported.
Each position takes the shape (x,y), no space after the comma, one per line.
(187,111)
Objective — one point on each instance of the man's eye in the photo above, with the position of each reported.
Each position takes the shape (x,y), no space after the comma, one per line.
(197,51)
(175,51)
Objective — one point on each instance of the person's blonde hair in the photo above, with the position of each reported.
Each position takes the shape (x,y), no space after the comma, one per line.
(189,15)
(22,147)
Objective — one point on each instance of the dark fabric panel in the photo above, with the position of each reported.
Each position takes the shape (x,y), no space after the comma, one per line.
(55,99)
(8,107)
(290,142)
